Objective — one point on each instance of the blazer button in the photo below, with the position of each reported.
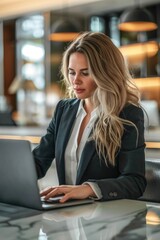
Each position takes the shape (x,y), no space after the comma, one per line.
(111,194)
(115,194)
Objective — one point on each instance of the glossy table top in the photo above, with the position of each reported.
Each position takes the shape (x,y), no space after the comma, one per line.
(33,134)
(120,219)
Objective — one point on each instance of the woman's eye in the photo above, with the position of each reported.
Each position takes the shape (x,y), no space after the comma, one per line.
(71,73)
(85,73)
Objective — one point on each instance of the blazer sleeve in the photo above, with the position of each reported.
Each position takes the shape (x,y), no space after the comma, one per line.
(130,161)
(44,153)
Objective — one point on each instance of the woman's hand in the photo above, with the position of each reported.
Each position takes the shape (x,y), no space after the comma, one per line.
(69,192)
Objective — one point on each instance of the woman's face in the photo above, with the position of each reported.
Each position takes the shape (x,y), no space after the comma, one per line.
(79,76)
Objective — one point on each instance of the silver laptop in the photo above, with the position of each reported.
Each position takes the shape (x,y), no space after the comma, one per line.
(18,178)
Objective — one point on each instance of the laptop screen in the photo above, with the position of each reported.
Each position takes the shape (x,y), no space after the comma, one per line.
(18,178)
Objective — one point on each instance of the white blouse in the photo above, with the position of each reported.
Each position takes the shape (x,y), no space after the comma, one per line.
(73,151)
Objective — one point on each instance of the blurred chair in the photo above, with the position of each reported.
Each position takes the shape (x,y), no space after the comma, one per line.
(152,192)
(151,108)
(6,118)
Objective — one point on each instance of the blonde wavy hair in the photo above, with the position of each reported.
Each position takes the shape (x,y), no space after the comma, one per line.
(114,88)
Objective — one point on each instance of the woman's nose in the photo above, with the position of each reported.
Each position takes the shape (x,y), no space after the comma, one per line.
(76,79)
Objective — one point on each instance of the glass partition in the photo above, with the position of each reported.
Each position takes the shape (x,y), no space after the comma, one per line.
(31,69)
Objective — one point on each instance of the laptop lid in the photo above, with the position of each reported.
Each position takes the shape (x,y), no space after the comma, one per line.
(18,177)
(18,180)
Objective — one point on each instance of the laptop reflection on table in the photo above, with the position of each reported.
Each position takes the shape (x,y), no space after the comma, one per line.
(18,178)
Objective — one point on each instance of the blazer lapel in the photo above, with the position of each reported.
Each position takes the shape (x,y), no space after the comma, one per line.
(65,126)
(67,121)
(86,156)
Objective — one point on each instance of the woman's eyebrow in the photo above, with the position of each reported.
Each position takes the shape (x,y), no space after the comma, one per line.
(83,69)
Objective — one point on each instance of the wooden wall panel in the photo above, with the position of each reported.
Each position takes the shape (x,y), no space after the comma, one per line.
(9,59)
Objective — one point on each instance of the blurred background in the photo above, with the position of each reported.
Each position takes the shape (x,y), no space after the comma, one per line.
(33,36)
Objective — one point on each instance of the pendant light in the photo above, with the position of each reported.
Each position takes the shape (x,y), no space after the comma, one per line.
(64,30)
(137,19)
(137,52)
(66,27)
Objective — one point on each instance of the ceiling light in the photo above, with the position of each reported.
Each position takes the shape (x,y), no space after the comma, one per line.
(137,19)
(139,51)
(63,30)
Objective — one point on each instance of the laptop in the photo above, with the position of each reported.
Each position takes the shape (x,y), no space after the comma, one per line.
(18,178)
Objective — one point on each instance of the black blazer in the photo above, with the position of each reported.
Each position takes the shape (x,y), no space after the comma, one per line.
(125,180)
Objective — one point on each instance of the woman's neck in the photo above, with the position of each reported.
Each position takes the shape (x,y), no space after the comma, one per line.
(88,106)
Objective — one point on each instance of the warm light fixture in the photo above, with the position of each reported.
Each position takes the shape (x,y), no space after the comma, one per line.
(136,19)
(152,218)
(148,82)
(139,51)
(64,30)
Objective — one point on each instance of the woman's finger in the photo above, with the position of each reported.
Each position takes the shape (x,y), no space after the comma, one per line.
(46,191)
(69,192)
(56,192)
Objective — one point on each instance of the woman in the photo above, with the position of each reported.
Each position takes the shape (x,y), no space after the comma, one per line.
(97,137)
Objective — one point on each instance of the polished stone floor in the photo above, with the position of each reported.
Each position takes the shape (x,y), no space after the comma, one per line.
(152,153)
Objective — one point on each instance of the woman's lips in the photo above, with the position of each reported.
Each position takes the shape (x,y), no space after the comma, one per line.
(79,90)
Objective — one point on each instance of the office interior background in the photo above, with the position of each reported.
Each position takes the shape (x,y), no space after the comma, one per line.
(30,84)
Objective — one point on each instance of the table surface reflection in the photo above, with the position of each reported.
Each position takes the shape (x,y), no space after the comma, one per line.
(33,134)
(119,219)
